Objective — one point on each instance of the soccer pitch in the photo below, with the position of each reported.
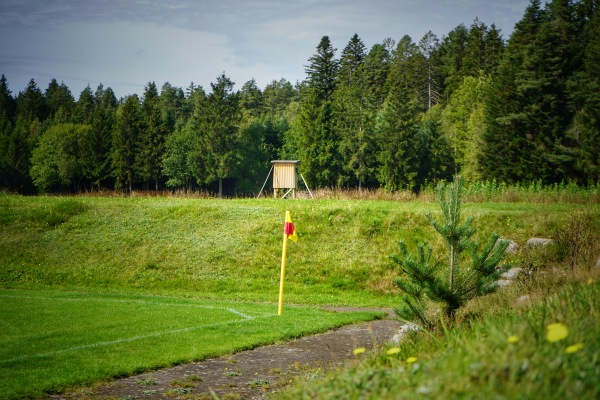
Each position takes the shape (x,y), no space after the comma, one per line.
(51,340)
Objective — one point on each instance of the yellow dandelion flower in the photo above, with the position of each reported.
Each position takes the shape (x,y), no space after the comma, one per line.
(556,332)
(590,281)
(359,350)
(393,350)
(574,348)
(513,339)
(411,360)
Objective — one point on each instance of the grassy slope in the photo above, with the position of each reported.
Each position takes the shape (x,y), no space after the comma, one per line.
(231,249)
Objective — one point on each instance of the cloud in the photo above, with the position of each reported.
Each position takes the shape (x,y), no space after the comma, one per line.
(125,44)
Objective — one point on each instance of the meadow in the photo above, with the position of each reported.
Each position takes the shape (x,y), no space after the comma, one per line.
(137,256)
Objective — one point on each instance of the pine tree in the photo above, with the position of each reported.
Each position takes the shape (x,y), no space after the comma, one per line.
(428,283)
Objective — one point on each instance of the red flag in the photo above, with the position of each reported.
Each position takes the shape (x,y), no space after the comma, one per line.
(289,228)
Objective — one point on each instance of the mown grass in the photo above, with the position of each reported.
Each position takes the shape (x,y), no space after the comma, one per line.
(50,340)
(231,249)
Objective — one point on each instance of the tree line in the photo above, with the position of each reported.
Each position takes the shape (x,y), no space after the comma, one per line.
(399,115)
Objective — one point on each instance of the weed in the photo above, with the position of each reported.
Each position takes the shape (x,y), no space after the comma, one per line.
(178,391)
(258,383)
(146,382)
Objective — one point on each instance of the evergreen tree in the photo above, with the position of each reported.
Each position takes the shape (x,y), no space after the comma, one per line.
(428,46)
(585,129)
(317,138)
(7,117)
(97,148)
(151,140)
(84,109)
(323,70)
(376,70)
(449,285)
(451,53)
(31,105)
(397,123)
(124,139)
(507,148)
(60,103)
(171,105)
(277,96)
(251,99)
(217,129)
(354,117)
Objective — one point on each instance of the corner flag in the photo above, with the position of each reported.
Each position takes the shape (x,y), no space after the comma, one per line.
(289,228)
(289,232)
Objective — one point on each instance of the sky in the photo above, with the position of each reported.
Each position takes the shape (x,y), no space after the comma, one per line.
(125,44)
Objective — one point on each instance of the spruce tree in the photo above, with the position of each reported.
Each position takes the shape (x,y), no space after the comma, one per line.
(124,139)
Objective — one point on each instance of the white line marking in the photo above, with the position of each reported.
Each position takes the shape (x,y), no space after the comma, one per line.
(232,310)
(131,339)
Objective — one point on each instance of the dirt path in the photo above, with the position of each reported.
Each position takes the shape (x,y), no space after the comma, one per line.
(248,374)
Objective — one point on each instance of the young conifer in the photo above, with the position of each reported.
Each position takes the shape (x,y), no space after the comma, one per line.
(429,284)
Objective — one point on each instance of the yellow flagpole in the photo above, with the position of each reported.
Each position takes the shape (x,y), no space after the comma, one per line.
(283,261)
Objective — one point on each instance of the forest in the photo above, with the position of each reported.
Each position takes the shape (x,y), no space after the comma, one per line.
(398,116)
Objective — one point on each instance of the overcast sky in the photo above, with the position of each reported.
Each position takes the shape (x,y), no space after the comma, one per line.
(124,44)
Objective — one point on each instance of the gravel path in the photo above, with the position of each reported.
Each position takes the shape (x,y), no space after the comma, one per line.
(248,374)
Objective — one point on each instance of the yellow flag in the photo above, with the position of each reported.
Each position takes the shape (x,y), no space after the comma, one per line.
(289,228)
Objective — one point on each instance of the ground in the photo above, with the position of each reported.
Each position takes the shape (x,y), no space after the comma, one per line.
(248,374)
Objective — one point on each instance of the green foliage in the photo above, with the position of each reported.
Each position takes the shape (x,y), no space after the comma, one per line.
(514,110)
(59,159)
(424,280)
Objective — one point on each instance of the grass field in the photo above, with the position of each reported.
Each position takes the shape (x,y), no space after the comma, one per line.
(52,340)
(98,287)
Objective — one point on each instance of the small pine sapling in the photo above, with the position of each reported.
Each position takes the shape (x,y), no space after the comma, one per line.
(449,284)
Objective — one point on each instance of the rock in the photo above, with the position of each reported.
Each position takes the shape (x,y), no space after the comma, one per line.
(541,242)
(503,282)
(598,263)
(513,248)
(523,299)
(403,329)
(511,273)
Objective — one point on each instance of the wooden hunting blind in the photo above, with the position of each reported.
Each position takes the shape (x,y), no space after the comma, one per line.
(285,176)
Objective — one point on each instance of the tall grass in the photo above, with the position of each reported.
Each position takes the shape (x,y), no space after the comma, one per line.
(537,338)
